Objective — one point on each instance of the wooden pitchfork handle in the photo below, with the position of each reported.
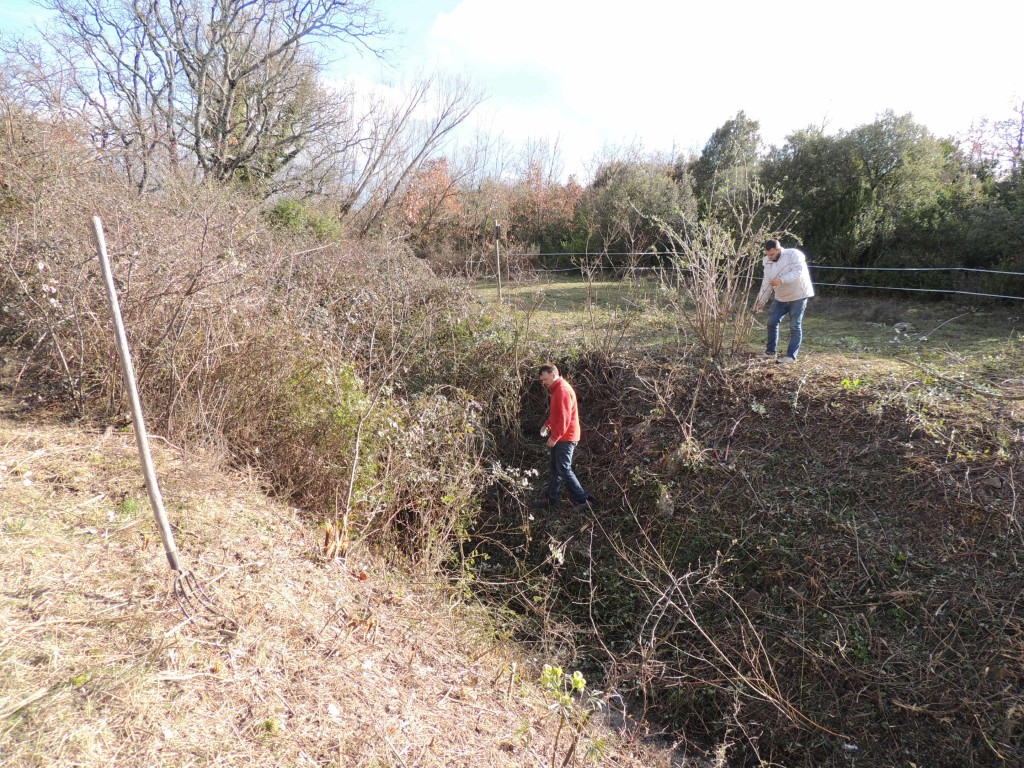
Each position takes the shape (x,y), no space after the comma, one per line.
(155,499)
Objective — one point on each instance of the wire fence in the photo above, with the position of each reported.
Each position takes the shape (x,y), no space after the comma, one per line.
(590,263)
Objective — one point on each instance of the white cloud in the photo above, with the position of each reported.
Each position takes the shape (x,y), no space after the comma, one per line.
(666,74)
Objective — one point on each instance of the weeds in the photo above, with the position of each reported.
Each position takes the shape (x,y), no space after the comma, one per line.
(343,369)
(820,563)
(572,714)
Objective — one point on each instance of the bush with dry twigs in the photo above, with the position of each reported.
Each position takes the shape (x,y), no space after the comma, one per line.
(281,348)
(713,262)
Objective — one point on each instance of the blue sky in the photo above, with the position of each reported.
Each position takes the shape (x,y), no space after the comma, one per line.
(17,15)
(663,74)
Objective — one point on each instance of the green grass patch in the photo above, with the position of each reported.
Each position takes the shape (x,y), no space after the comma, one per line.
(647,316)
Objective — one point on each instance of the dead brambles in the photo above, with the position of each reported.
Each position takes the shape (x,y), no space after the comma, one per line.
(847,575)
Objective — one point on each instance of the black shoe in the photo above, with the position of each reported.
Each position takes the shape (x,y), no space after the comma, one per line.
(544,502)
(587,503)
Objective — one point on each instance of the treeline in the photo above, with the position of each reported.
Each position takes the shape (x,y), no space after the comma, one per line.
(888,193)
(885,194)
(238,94)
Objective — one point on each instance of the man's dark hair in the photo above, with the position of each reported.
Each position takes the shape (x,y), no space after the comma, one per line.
(771,245)
(548,368)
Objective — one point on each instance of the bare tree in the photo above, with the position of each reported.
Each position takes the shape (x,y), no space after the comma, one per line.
(232,85)
(1010,138)
(715,259)
(541,159)
(396,139)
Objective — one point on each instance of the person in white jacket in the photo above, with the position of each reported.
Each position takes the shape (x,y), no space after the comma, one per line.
(786,275)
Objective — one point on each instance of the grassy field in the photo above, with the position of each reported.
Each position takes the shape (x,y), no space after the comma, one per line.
(616,315)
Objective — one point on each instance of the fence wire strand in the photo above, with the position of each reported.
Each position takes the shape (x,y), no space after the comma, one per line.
(582,268)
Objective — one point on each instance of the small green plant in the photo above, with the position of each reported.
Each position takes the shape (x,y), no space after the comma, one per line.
(324,226)
(898,564)
(570,702)
(130,507)
(596,749)
(851,385)
(15,526)
(294,216)
(524,733)
(271,726)
(287,214)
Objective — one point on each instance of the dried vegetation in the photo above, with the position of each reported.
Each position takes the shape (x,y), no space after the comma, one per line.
(338,374)
(353,664)
(271,346)
(816,565)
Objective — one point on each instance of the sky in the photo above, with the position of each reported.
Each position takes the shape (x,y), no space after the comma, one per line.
(662,75)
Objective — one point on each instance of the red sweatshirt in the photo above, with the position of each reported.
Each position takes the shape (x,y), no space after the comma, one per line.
(564,421)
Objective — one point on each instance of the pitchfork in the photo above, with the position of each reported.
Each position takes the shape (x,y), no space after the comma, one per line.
(192,598)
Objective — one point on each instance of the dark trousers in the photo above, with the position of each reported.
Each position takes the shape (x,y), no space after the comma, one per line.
(561,472)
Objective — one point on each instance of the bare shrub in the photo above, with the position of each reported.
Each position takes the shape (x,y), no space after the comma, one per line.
(275,346)
(187,263)
(715,259)
(696,635)
(333,428)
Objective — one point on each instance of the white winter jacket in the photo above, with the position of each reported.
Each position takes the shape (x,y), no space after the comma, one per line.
(791,269)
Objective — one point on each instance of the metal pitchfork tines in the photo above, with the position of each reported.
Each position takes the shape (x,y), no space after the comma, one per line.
(192,599)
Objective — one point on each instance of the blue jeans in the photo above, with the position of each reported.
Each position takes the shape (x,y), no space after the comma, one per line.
(795,310)
(561,471)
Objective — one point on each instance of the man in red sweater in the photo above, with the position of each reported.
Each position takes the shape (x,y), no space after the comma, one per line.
(562,430)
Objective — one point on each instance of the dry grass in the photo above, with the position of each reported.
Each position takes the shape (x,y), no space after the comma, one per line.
(333,665)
